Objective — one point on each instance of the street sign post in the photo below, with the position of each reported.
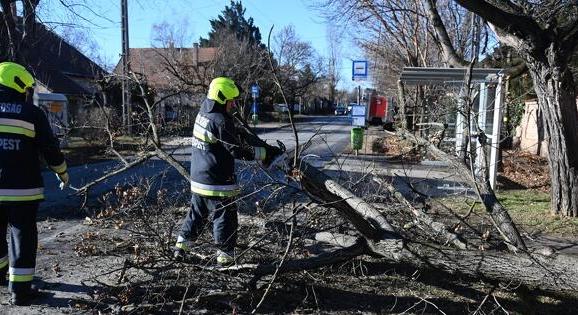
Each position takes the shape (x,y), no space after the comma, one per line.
(255,90)
(359,70)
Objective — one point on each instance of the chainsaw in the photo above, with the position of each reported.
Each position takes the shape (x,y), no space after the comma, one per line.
(280,161)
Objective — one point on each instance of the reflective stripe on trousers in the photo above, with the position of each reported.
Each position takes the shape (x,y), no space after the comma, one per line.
(215,190)
(21,274)
(30,194)
(260,153)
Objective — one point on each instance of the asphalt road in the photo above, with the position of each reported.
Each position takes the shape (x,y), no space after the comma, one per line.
(329,136)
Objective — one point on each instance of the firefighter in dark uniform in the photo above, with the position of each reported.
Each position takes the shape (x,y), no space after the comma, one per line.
(25,138)
(215,146)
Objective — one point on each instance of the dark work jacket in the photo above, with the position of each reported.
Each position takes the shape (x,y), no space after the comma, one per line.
(25,138)
(215,146)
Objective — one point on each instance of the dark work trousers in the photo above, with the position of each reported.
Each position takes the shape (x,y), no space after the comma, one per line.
(21,253)
(223,212)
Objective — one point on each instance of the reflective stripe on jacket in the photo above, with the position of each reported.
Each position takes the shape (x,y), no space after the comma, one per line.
(25,139)
(215,146)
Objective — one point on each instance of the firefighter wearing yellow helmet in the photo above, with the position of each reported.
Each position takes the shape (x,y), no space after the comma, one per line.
(215,146)
(25,138)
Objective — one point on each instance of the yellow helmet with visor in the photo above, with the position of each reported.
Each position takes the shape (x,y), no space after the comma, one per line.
(223,89)
(16,77)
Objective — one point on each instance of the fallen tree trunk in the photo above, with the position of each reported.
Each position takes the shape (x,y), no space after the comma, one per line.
(556,274)
(366,219)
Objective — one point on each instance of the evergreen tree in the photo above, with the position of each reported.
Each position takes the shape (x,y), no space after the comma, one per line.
(232,19)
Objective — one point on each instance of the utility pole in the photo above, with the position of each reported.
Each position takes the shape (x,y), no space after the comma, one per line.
(126,106)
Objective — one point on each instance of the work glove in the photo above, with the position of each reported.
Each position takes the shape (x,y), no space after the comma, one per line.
(63,178)
(272,153)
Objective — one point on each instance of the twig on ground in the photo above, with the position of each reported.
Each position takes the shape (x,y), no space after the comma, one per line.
(285,254)
(184,299)
(484,300)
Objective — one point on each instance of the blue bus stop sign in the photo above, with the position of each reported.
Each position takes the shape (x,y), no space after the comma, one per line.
(255,89)
(359,70)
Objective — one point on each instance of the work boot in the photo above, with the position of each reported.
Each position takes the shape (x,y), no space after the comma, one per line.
(24,298)
(181,250)
(225,258)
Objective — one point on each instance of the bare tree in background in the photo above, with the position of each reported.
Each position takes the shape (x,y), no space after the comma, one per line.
(179,60)
(245,61)
(82,40)
(299,65)
(397,34)
(334,61)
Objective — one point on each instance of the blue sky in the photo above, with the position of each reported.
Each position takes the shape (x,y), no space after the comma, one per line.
(101,19)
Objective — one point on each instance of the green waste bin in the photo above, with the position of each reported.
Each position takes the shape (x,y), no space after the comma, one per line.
(254,119)
(356,138)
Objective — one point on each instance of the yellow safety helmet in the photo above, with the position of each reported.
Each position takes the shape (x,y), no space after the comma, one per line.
(15,76)
(222,89)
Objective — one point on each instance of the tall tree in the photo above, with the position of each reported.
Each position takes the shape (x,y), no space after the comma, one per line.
(232,19)
(333,61)
(240,53)
(545,35)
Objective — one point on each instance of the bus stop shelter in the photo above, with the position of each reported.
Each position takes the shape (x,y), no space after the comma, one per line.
(488,110)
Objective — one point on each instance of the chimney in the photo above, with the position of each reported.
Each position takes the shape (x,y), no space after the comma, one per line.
(195,54)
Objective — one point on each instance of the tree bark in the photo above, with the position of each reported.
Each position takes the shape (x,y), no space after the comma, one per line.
(556,274)
(451,57)
(364,217)
(554,87)
(436,230)
(547,272)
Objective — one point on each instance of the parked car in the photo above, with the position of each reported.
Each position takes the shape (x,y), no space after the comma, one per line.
(340,110)
(350,106)
(282,108)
